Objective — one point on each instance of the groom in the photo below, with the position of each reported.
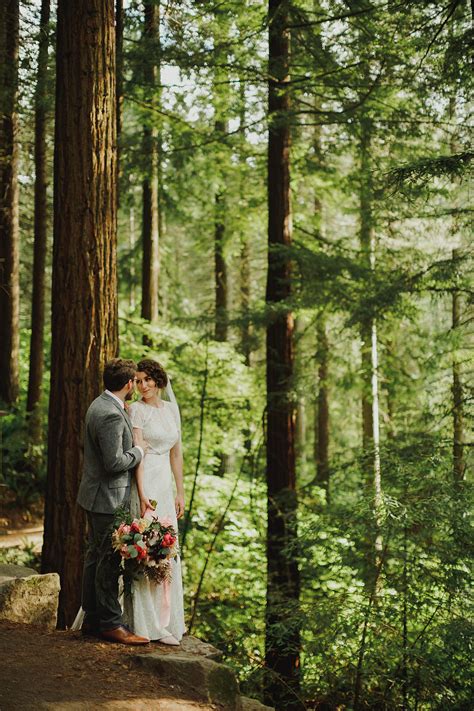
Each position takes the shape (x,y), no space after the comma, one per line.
(109,458)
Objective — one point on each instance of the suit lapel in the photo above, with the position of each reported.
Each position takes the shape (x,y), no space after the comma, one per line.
(121,409)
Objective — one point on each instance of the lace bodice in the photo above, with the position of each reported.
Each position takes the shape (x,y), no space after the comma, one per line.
(160,425)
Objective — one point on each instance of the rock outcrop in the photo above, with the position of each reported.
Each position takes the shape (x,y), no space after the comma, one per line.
(26,596)
(195,669)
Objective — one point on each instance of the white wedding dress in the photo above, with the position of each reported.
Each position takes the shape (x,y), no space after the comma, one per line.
(151,610)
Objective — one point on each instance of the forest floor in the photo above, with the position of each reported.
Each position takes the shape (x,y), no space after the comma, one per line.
(63,670)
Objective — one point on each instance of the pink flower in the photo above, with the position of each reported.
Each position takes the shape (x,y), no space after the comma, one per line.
(124,552)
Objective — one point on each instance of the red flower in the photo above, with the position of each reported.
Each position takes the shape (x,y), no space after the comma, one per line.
(141,551)
(168,540)
(134,527)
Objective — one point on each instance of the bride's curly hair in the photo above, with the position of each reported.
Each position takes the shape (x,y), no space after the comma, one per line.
(154,370)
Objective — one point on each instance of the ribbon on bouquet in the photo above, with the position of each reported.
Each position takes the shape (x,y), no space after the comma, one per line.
(165,608)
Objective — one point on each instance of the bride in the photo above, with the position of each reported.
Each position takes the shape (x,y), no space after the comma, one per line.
(156,611)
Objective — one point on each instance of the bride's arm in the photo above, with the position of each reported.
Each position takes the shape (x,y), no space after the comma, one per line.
(176,461)
(139,471)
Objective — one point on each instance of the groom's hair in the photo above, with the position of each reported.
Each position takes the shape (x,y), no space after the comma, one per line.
(117,373)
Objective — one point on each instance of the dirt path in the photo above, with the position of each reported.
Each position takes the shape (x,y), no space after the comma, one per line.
(32,536)
(62,670)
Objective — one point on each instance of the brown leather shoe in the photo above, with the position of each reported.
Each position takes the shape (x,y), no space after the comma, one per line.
(122,635)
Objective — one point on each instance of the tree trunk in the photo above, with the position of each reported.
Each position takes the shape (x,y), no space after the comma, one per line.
(84,295)
(220,267)
(150,217)
(366,237)
(321,439)
(245,244)
(245,298)
(390,389)
(321,420)
(282,634)
(41,221)
(119,86)
(131,266)
(459,464)
(221,109)
(9,208)
(370,397)
(300,428)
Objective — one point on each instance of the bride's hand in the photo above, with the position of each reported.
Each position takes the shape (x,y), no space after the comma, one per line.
(145,504)
(179,505)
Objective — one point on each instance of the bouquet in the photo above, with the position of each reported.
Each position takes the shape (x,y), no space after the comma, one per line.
(146,545)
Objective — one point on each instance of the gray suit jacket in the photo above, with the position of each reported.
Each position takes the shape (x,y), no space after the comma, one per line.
(109,457)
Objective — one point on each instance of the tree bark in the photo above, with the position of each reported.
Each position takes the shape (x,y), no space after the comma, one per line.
(390,389)
(150,216)
(321,420)
(301,425)
(84,294)
(365,237)
(221,108)
(370,396)
(40,220)
(459,464)
(119,86)
(322,415)
(245,244)
(220,266)
(245,298)
(9,207)
(282,634)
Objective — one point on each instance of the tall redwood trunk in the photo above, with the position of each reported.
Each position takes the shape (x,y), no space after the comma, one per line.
(41,219)
(150,214)
(119,85)
(9,208)
(84,296)
(282,634)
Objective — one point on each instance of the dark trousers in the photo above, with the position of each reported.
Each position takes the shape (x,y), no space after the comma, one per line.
(101,574)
